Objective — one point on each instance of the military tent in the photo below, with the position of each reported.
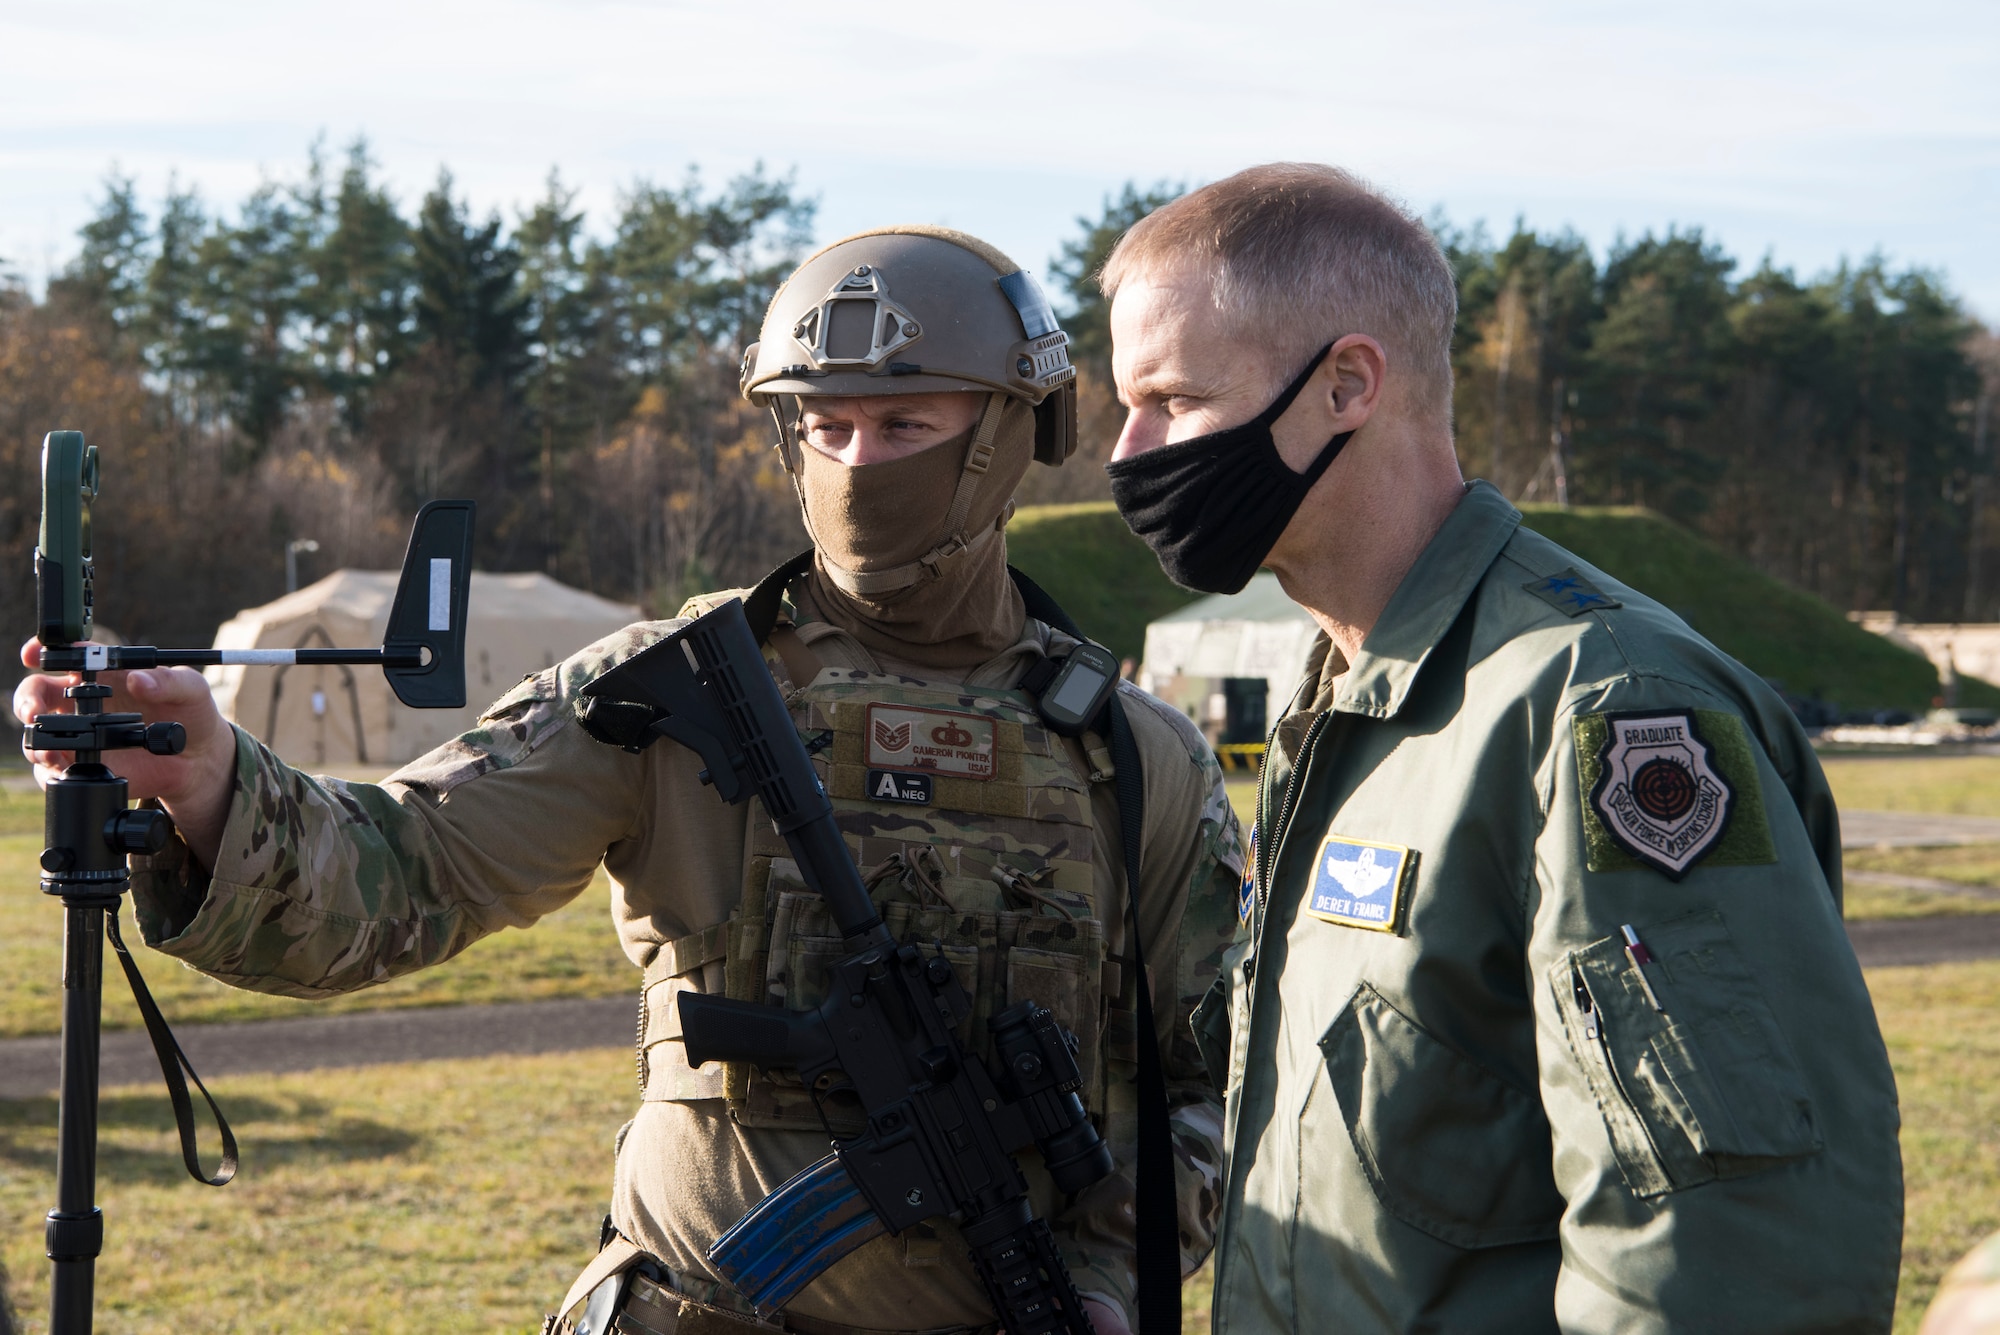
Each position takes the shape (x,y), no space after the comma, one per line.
(315,716)
(1226,660)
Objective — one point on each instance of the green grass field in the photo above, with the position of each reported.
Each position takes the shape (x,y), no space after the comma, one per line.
(571,953)
(1946,785)
(440,1197)
(461,1196)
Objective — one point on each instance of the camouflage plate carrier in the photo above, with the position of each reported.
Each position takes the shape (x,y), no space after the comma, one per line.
(973,824)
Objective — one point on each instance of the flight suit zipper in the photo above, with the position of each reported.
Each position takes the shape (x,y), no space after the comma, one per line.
(1268,844)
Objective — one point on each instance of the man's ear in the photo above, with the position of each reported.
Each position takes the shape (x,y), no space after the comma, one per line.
(1357,369)
(1344,392)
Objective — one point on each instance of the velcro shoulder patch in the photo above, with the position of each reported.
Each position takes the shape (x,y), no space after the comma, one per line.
(1571,594)
(1670,789)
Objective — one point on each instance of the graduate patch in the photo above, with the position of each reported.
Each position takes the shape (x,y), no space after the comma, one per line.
(937,740)
(1359,884)
(1658,791)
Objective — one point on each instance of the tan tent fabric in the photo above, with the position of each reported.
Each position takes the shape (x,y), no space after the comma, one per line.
(316,716)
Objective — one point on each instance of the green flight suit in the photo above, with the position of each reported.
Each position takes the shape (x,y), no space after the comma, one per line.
(1452,1103)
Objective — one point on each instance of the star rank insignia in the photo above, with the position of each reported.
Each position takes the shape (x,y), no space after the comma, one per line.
(1572,594)
(1658,791)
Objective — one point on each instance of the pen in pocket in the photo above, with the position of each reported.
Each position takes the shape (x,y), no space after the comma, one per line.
(1641,957)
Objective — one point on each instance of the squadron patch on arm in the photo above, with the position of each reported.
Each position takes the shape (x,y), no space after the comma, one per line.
(1659,794)
(1670,790)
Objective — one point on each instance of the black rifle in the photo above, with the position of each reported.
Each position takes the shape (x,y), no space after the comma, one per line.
(942,1128)
(91,831)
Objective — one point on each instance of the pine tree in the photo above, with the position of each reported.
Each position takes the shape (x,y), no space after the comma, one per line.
(468,302)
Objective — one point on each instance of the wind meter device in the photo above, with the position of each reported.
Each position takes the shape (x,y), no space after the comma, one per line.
(62,553)
(422,654)
(92,829)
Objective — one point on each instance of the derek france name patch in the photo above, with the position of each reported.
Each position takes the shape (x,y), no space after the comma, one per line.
(1357,883)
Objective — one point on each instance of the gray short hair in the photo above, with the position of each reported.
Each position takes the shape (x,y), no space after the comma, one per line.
(1301,254)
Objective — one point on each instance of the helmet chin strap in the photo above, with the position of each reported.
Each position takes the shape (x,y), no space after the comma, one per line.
(955,543)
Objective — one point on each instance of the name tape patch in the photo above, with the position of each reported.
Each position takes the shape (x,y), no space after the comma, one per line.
(886,785)
(938,740)
(1659,793)
(1357,883)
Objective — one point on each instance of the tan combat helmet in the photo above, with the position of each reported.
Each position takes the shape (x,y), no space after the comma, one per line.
(915,310)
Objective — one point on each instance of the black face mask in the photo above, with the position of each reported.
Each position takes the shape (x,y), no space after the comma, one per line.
(1213,507)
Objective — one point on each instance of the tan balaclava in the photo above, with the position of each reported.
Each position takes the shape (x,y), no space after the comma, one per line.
(886,570)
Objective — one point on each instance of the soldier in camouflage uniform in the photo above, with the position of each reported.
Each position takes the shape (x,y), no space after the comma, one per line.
(899,646)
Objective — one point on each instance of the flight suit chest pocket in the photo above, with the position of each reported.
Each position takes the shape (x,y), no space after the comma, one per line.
(1448,1146)
(1702,1087)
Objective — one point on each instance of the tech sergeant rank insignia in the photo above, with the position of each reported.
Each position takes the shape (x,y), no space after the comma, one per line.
(1659,793)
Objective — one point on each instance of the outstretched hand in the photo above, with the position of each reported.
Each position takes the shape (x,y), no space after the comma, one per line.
(194,786)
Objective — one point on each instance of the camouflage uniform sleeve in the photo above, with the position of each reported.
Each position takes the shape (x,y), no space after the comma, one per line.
(1191,865)
(323,886)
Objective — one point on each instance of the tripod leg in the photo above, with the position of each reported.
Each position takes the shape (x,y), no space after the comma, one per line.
(75,1227)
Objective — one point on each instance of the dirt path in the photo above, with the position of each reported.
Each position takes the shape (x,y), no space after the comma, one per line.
(1909,829)
(29,1066)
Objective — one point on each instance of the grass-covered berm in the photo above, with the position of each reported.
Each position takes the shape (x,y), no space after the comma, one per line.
(1085,556)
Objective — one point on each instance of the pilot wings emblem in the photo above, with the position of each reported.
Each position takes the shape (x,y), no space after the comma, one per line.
(1363,877)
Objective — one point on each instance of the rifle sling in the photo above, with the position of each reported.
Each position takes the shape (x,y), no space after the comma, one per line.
(1158,1223)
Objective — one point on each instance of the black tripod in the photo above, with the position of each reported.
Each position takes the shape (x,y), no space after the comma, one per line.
(90,832)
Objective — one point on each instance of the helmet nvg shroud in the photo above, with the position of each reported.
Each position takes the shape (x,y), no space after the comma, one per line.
(913,310)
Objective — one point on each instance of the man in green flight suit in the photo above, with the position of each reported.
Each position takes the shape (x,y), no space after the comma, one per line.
(1541,1015)
(914,373)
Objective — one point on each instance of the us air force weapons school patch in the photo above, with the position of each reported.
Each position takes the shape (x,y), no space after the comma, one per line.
(1668,790)
(1359,884)
(1659,795)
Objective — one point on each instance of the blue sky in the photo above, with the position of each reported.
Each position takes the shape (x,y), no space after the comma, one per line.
(1807,131)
